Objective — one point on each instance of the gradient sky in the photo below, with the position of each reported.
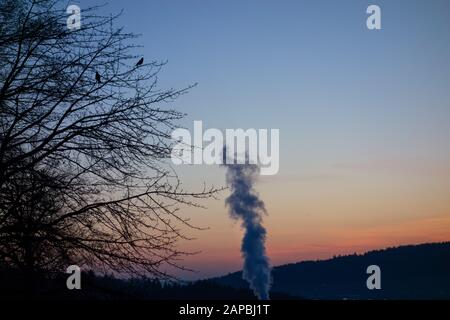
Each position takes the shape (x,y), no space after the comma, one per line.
(364,117)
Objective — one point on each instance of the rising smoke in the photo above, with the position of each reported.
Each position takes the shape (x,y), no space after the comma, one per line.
(244,204)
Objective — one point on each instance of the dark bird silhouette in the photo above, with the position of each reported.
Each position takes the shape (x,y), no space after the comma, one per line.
(97,77)
(141,61)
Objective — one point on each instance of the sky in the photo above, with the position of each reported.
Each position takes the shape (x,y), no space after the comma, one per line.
(364,117)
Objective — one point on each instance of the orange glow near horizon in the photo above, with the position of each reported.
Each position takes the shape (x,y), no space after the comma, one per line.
(321,217)
(285,248)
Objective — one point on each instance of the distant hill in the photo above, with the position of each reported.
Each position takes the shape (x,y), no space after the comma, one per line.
(407,272)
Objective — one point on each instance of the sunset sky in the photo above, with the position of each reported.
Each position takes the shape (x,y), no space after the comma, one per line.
(364,117)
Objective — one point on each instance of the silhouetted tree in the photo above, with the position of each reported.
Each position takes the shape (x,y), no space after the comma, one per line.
(83,163)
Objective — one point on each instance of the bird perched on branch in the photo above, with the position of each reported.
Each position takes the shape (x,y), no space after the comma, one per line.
(141,61)
(98,77)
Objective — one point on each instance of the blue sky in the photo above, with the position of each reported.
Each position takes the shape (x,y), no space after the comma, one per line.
(362,114)
(310,68)
(301,66)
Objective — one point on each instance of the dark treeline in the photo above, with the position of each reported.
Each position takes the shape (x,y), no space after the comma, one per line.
(407,272)
(107,287)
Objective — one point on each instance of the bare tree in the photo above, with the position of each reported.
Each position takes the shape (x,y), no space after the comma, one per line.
(84,143)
